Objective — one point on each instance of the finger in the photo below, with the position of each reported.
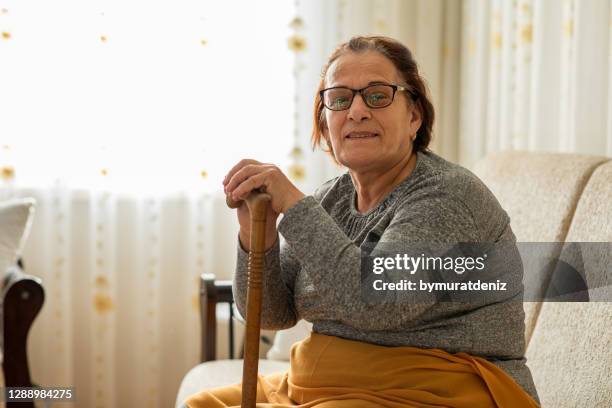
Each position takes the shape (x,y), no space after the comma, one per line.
(236,167)
(255,181)
(243,174)
(248,185)
(248,171)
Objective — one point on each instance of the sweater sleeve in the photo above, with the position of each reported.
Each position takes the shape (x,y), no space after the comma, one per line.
(331,261)
(277,310)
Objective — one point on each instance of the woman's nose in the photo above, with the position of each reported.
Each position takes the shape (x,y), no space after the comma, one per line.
(358,110)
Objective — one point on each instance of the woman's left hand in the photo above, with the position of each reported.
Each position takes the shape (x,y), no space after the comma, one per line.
(249,175)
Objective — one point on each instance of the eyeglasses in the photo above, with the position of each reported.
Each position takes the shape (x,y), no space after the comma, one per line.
(375,96)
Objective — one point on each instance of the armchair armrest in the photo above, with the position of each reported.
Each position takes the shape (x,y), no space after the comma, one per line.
(22,298)
(211,293)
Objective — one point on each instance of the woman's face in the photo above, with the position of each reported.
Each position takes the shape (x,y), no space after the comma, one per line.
(388,131)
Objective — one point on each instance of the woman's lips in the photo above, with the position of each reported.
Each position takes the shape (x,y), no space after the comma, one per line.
(361,135)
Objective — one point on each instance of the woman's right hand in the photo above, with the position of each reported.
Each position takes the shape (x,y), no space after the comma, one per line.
(248,175)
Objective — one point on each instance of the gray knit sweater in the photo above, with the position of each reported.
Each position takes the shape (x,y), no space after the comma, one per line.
(314,273)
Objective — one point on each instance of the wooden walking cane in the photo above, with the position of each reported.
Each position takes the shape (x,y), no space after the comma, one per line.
(258,209)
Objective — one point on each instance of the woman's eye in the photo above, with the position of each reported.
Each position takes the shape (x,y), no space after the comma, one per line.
(377,97)
(339,102)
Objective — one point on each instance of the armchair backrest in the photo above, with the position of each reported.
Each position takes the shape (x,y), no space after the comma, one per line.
(570,353)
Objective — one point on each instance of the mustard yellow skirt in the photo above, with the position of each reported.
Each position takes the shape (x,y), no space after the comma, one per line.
(328,371)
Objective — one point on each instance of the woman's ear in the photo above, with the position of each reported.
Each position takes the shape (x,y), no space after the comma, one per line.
(416,117)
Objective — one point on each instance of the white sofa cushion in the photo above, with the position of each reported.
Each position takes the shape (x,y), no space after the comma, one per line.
(540,192)
(219,373)
(284,339)
(15,221)
(570,353)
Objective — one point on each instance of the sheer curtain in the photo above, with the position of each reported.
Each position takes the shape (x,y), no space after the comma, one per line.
(120,118)
(150,95)
(536,75)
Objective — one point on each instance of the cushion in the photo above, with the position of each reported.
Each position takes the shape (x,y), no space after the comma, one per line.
(539,191)
(15,221)
(569,353)
(284,339)
(220,373)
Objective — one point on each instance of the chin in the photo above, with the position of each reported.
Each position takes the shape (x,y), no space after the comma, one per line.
(361,162)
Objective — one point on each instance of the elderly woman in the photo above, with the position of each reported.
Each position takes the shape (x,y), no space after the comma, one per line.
(373,114)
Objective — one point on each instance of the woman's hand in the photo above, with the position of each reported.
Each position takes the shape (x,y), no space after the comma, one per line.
(249,175)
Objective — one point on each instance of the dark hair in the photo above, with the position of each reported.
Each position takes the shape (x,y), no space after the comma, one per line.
(402,59)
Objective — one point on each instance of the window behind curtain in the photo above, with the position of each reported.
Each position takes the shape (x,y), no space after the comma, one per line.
(143,95)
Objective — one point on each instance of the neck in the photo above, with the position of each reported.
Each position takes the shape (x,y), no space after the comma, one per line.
(373,186)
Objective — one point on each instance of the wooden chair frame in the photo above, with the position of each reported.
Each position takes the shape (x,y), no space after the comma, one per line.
(22,298)
(213,292)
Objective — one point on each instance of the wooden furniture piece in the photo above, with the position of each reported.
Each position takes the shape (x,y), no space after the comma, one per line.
(22,298)
(213,292)
(257,203)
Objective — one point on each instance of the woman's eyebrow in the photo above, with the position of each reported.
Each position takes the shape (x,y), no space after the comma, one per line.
(377,82)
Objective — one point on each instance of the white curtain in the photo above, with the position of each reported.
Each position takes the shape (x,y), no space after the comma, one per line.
(536,76)
(121,118)
(153,96)
(121,318)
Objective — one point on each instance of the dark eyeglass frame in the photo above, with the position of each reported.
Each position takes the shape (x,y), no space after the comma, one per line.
(395,88)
